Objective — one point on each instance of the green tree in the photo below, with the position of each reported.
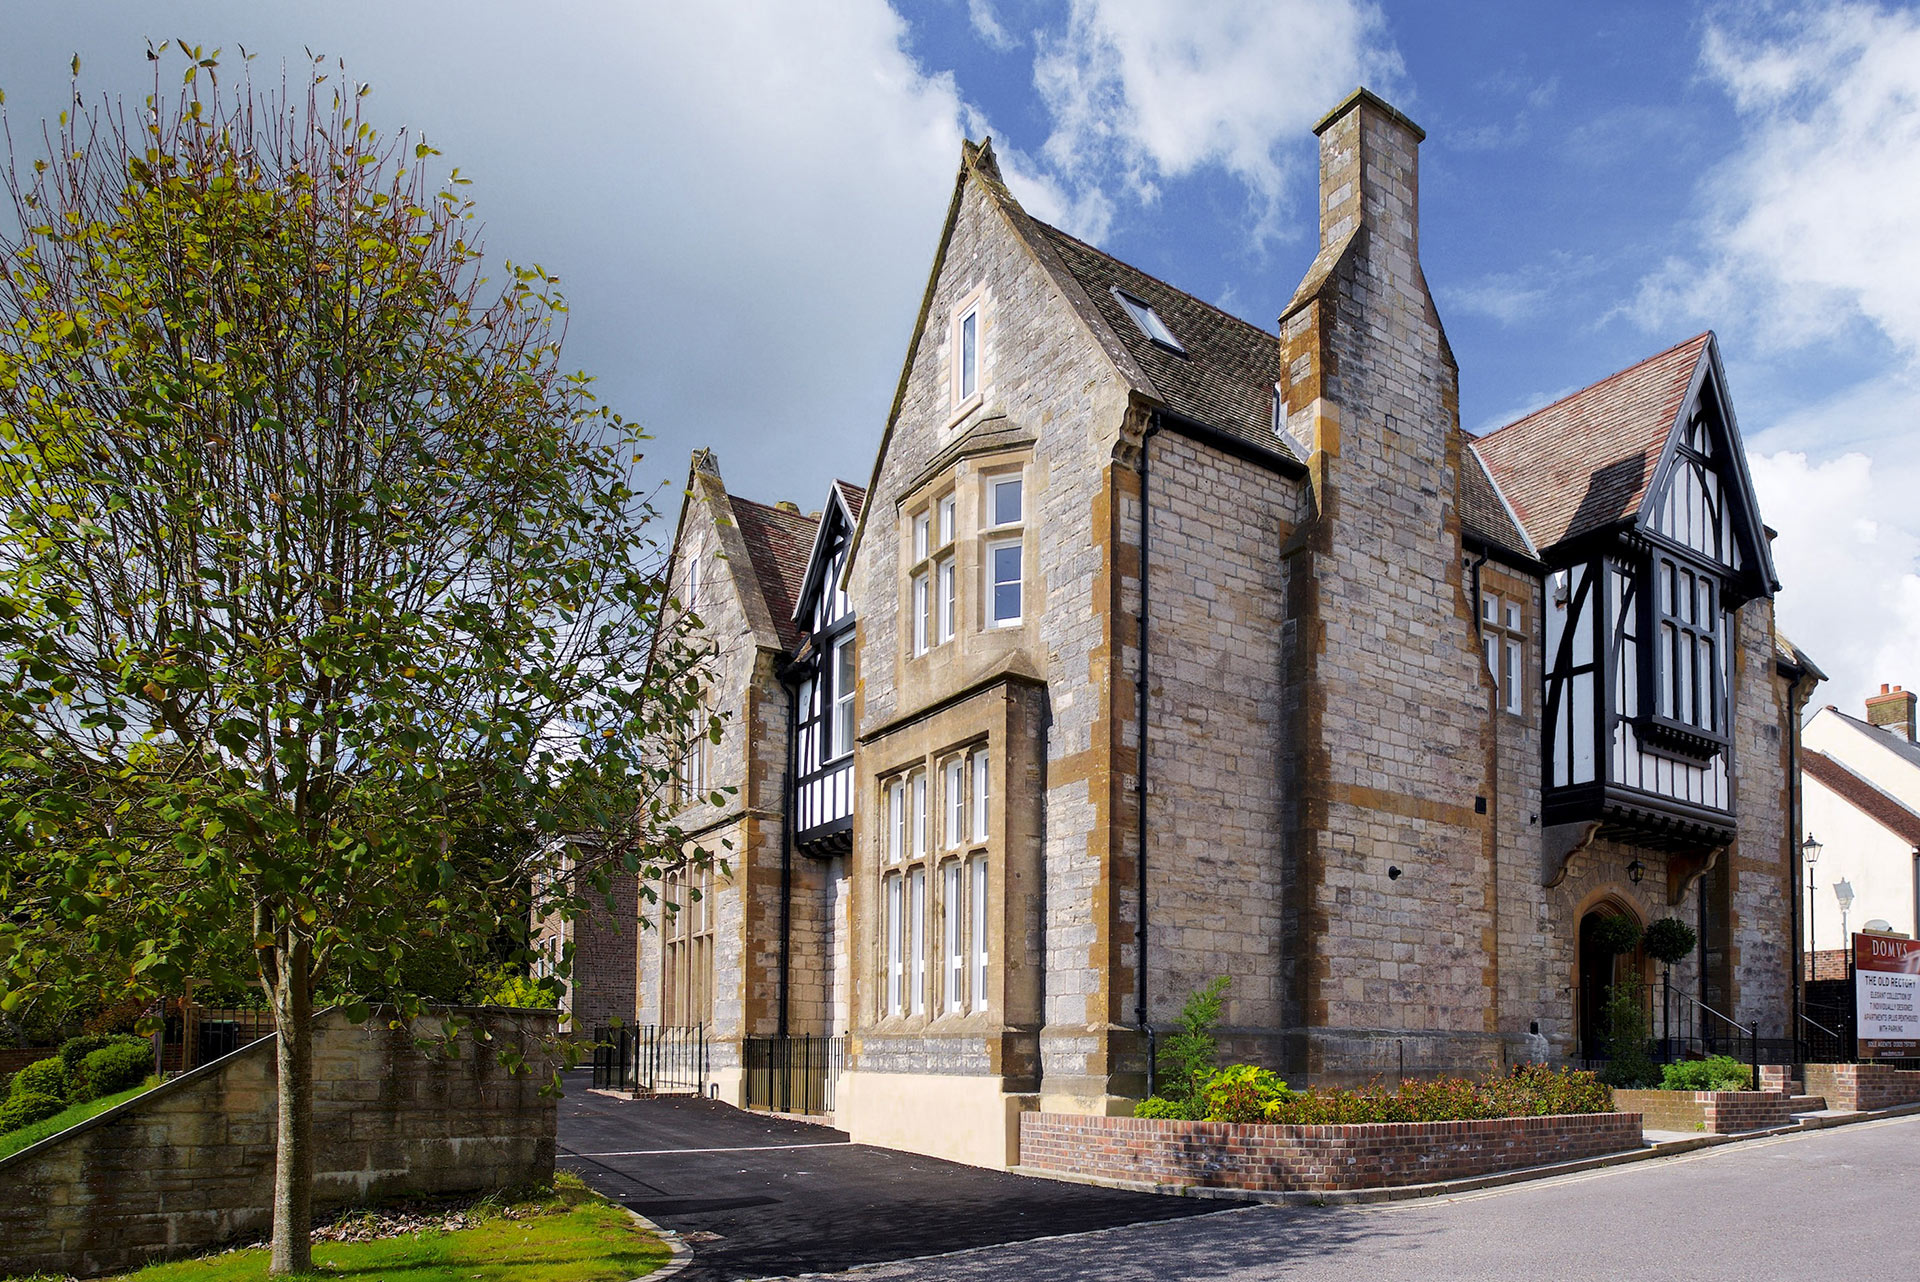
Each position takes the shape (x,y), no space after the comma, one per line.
(324,608)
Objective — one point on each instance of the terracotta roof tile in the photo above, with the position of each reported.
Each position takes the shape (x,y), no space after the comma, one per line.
(778,542)
(854,496)
(1482,515)
(1585,461)
(1878,806)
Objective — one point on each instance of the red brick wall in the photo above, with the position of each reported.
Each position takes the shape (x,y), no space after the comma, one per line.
(1313,1158)
(1828,963)
(1715,1112)
(1859,1087)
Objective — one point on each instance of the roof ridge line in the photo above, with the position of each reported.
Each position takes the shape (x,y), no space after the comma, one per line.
(1583,390)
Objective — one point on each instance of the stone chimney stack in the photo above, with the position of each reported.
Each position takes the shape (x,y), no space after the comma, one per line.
(1892,710)
(1370,172)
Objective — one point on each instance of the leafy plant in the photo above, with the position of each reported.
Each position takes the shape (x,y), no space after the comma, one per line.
(1625,1017)
(1186,1058)
(1614,934)
(76,1049)
(42,1077)
(24,1108)
(331,631)
(112,1069)
(1670,939)
(1532,1090)
(1714,1073)
(1161,1107)
(1241,1093)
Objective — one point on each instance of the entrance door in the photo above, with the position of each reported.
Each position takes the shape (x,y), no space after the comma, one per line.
(1596,985)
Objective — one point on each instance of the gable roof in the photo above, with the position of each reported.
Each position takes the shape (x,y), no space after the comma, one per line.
(1225,378)
(1879,806)
(848,501)
(1484,514)
(778,541)
(1586,461)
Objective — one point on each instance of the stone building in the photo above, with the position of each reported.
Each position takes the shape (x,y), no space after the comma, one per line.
(1187,648)
(1860,777)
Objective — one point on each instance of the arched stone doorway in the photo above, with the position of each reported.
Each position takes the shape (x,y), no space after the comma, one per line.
(1599,972)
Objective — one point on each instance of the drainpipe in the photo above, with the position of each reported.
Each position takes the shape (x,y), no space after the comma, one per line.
(786,851)
(1474,603)
(1796,996)
(1140,761)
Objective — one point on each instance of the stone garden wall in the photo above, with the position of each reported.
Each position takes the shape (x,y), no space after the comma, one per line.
(1313,1158)
(190,1164)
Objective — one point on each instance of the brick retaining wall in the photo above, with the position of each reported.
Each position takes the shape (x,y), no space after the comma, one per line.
(1857,1088)
(190,1164)
(1714,1112)
(1313,1158)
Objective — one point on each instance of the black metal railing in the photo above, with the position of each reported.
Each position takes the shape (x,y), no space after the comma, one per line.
(792,1074)
(648,1059)
(1820,1044)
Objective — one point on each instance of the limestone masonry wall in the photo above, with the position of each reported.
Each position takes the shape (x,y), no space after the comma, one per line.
(190,1164)
(1313,1158)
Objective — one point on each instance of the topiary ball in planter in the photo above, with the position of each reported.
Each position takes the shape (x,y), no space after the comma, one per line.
(1616,934)
(1670,939)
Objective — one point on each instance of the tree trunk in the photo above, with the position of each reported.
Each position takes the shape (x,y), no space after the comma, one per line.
(293,1146)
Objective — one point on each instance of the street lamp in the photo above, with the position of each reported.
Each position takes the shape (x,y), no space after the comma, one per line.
(1843,891)
(1810,855)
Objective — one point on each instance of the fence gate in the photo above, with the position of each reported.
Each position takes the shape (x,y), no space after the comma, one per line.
(650,1060)
(792,1074)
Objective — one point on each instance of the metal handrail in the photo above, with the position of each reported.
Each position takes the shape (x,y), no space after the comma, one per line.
(1752,1034)
(1808,1019)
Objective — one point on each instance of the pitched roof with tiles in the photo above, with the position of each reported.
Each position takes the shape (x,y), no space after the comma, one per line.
(1585,461)
(1879,806)
(1224,379)
(778,542)
(1483,515)
(854,496)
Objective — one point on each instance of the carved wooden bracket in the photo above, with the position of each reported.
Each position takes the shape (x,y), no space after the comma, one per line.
(1684,870)
(1559,844)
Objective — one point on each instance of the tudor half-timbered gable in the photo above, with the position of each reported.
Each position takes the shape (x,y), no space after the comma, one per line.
(825,678)
(1636,491)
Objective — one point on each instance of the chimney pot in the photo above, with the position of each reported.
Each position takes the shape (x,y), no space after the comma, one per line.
(1892,710)
(1883,687)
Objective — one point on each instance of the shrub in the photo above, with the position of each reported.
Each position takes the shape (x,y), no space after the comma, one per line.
(113,1069)
(1715,1073)
(1670,939)
(1160,1106)
(1616,935)
(42,1077)
(75,1049)
(24,1108)
(1533,1090)
(1241,1093)
(1187,1056)
(1629,1064)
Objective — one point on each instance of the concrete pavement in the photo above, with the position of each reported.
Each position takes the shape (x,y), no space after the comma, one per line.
(1829,1203)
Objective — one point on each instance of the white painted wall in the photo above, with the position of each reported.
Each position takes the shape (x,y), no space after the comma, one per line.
(1855,848)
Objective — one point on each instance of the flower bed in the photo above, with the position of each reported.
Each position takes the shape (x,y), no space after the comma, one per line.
(1268,1158)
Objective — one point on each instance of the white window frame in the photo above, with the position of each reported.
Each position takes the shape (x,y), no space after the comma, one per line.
(1503,645)
(994,618)
(845,674)
(948,508)
(917,935)
(917,789)
(966,361)
(953,953)
(922,613)
(922,540)
(945,606)
(953,782)
(896,821)
(977,933)
(896,972)
(995,484)
(981,771)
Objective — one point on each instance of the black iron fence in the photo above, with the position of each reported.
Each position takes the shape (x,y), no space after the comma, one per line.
(792,1074)
(651,1060)
(193,1035)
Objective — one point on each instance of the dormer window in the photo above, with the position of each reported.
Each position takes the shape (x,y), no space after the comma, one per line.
(1148,320)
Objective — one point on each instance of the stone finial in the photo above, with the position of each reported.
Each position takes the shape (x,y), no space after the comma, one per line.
(706,461)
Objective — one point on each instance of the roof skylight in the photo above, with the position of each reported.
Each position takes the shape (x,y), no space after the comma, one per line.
(1148,320)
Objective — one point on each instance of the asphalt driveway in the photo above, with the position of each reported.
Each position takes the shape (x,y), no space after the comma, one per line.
(759,1196)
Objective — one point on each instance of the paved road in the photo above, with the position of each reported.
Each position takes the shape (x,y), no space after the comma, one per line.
(786,1197)
(1828,1204)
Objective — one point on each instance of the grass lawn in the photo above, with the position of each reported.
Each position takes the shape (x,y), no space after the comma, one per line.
(13,1141)
(568,1235)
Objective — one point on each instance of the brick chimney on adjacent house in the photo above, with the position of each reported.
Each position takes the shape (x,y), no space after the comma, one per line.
(1892,710)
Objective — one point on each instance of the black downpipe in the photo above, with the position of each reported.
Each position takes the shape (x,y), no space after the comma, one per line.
(1796,993)
(786,850)
(1140,759)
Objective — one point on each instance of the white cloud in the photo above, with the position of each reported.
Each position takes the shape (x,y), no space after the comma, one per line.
(987,26)
(1807,258)
(1156,91)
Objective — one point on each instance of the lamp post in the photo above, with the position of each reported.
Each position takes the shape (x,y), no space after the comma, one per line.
(1810,855)
(1843,891)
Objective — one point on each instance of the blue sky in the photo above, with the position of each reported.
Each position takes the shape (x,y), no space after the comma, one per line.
(743,199)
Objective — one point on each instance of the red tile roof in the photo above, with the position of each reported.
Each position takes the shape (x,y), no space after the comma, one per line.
(1878,806)
(778,542)
(854,496)
(1585,461)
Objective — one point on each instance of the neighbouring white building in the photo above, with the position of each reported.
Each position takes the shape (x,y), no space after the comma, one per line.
(1861,802)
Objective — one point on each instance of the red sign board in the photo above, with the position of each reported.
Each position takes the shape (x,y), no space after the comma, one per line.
(1886,986)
